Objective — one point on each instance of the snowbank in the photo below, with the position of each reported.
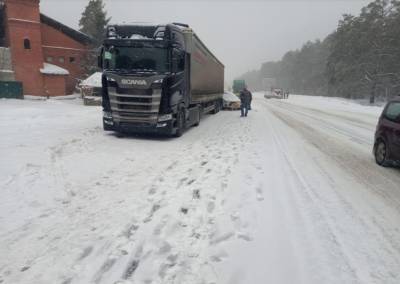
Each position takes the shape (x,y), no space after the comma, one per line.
(338,104)
(42,98)
(331,104)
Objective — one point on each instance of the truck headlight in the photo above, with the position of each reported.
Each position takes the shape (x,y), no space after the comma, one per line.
(165,117)
(107,114)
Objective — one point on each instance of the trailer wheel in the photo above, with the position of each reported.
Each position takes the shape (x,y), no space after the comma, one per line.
(180,123)
(198,118)
(216,107)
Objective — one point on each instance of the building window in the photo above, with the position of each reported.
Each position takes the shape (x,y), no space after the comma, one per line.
(27,43)
(61,59)
(71,59)
(49,59)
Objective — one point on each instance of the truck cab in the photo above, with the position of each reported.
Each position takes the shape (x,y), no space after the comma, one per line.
(146,81)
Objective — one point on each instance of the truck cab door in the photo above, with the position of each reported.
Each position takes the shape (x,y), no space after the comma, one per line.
(178,83)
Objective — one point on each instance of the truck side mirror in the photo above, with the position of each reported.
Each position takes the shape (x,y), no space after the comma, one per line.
(181,62)
(100,61)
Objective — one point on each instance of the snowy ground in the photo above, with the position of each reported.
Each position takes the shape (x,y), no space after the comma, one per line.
(290,194)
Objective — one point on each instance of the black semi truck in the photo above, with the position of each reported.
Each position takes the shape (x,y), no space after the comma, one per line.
(157,78)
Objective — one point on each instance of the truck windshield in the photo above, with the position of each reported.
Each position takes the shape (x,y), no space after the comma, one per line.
(137,58)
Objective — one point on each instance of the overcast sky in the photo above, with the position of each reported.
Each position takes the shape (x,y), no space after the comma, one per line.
(242,34)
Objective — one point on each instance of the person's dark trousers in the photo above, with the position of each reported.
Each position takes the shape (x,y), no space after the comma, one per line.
(244,109)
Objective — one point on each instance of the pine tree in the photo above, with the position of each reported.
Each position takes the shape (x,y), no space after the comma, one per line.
(94,20)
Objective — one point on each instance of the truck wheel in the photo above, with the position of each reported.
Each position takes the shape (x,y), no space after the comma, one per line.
(107,127)
(216,107)
(198,119)
(180,123)
(381,153)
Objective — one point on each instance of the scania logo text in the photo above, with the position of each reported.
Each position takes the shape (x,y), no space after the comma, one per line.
(133,82)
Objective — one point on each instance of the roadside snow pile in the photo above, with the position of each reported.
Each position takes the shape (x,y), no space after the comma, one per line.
(93,81)
(51,69)
(333,104)
(43,98)
(230,97)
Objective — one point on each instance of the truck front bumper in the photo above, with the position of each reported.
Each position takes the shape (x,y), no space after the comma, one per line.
(164,127)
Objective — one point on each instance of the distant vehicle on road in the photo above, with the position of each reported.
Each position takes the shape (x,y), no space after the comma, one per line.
(275,93)
(231,101)
(387,136)
(238,85)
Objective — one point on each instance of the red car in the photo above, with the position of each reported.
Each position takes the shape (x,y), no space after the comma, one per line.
(387,136)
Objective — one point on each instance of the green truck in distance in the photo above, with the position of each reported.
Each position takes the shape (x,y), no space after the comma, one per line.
(238,85)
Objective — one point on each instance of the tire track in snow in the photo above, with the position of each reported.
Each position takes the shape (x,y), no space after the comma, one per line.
(321,224)
(382,181)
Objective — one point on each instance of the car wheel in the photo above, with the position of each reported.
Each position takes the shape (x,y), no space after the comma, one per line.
(381,153)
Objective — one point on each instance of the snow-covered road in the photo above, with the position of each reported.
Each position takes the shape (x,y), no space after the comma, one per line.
(290,194)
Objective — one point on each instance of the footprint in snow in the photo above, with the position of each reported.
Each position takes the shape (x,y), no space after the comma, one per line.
(219,256)
(132,266)
(244,236)
(86,252)
(210,207)
(152,190)
(222,238)
(105,268)
(196,194)
(259,193)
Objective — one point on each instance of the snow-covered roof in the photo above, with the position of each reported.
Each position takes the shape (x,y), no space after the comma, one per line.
(93,81)
(230,97)
(52,69)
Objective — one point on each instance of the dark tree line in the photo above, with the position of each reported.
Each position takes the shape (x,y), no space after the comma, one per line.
(360,59)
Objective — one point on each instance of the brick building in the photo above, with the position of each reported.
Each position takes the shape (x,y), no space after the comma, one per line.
(46,56)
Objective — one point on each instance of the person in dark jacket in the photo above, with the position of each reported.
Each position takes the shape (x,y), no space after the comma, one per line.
(251,98)
(245,100)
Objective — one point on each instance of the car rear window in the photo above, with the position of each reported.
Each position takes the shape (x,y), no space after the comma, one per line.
(393,111)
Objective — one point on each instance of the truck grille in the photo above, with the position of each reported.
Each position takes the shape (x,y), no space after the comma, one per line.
(135,105)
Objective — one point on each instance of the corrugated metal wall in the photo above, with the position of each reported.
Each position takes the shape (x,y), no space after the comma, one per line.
(11,90)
